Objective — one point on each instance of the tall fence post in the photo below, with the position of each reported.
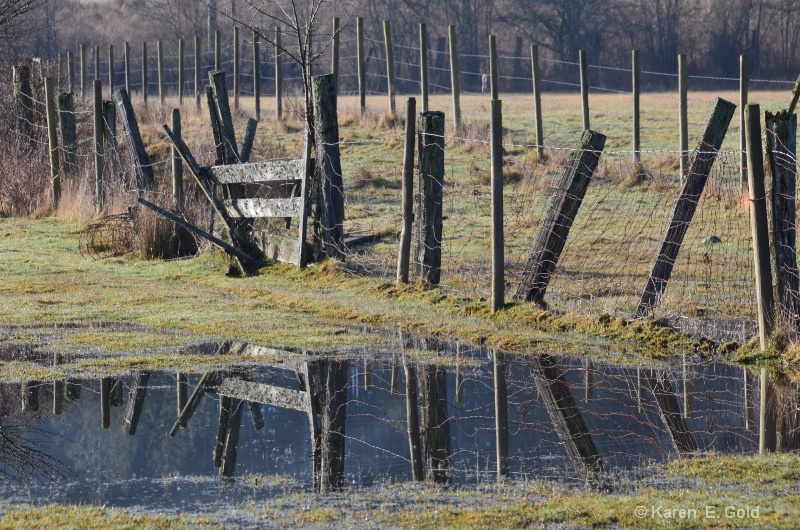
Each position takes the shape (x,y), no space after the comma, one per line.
(743,86)
(537,101)
(387,41)
(278,74)
(501,410)
(198,67)
(564,207)
(217,51)
(683,114)
(70,73)
(498,240)
(24,100)
(493,66)
(694,183)
(362,73)
(177,163)
(329,166)
(127,54)
(160,54)
(59,72)
(99,132)
(257,72)
(454,78)
(69,139)
(781,134)
(83,70)
(111,69)
(97,62)
(141,162)
(428,217)
(403,256)
(335,53)
(584,88)
(180,72)
(637,157)
(110,120)
(144,72)
(236,67)
(423,66)
(52,140)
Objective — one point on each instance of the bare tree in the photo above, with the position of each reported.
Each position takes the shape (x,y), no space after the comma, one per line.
(12,11)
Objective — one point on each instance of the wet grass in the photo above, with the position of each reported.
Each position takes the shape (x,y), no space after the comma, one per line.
(83,517)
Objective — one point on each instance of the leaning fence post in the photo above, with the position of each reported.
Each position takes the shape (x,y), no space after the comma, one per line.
(408,193)
(236,70)
(781,137)
(694,183)
(52,139)
(160,56)
(454,79)
(637,157)
(564,207)
(584,88)
(329,166)
(428,217)
(387,41)
(177,163)
(278,75)
(66,119)
(683,114)
(99,131)
(743,85)
(362,73)
(498,241)
(180,72)
(423,66)
(493,66)
(141,162)
(537,101)
(257,72)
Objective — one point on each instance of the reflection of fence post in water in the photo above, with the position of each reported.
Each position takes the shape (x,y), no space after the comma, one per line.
(412,417)
(136,395)
(639,393)
(767,420)
(687,387)
(58,389)
(30,396)
(334,416)
(749,405)
(105,402)
(459,375)
(182,393)
(501,414)
(789,401)
(588,380)
(230,422)
(435,422)
(568,422)
(670,412)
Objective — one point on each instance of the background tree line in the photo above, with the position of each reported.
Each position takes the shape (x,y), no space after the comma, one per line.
(713,33)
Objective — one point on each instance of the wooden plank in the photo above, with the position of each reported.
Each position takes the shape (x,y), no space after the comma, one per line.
(276,170)
(261,393)
(252,208)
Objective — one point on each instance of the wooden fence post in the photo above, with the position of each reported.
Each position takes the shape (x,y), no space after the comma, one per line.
(180,72)
(278,75)
(781,129)
(326,125)
(96,63)
(70,73)
(111,69)
(454,79)
(537,101)
(767,421)
(257,72)
(69,137)
(362,73)
(743,87)
(105,398)
(335,53)
(683,114)
(110,121)
(144,72)
(177,163)
(217,50)
(501,414)
(160,56)
(498,240)
(52,139)
(637,157)
(670,412)
(99,135)
(428,215)
(59,84)
(423,66)
(408,193)
(58,388)
(198,62)
(141,162)
(334,415)
(694,183)
(564,207)
(127,53)
(493,66)
(24,100)
(688,387)
(387,41)
(435,422)
(412,418)
(584,88)
(759,225)
(236,67)
(83,70)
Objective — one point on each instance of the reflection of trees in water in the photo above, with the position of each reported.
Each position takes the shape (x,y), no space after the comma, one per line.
(23,453)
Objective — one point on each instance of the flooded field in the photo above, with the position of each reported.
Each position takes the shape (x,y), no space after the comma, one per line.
(196,443)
